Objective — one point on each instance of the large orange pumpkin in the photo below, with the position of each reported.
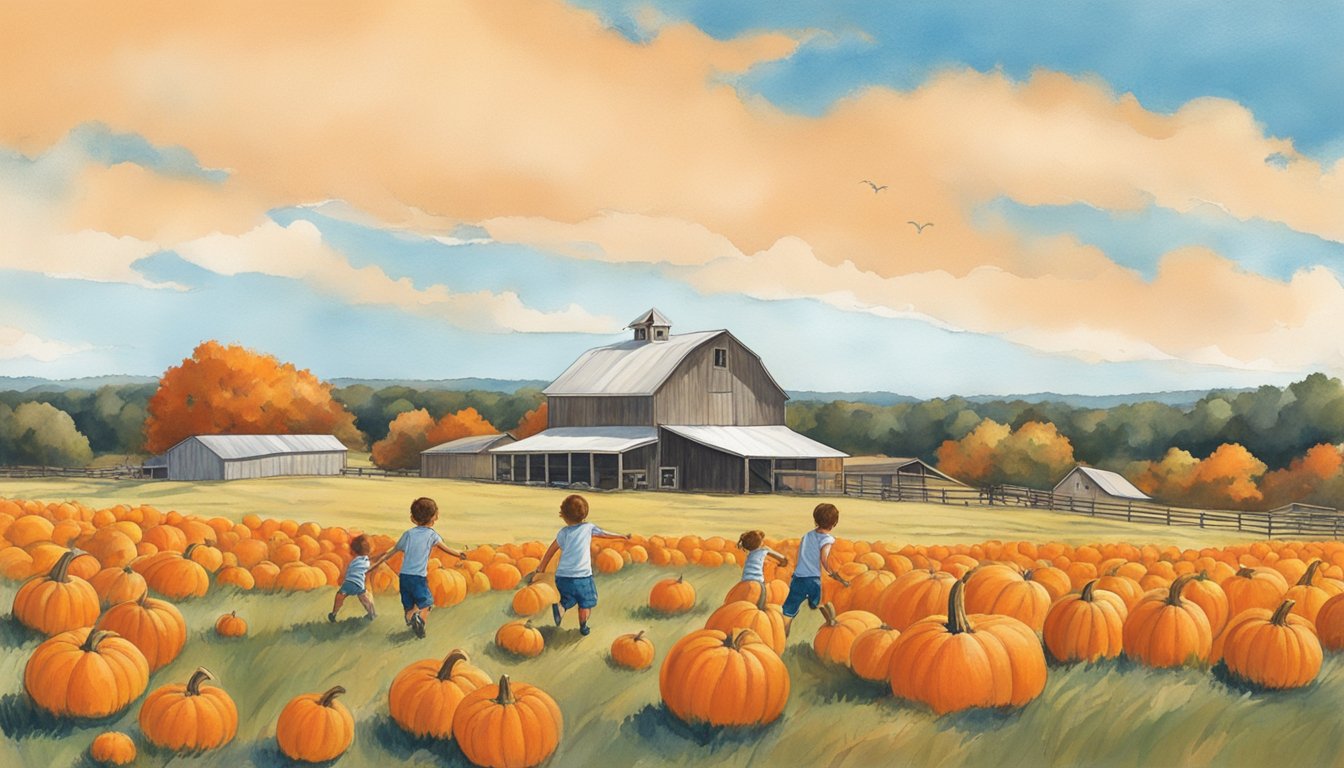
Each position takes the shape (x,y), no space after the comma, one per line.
(762,618)
(425,695)
(914,596)
(1165,630)
(1330,623)
(447,586)
(118,585)
(187,717)
(1254,588)
(835,637)
(1310,593)
(870,655)
(56,602)
(509,725)
(1208,595)
(85,672)
(175,576)
(633,651)
(154,626)
(1087,626)
(724,679)
(958,662)
(1002,590)
(1278,650)
(315,727)
(112,748)
(672,596)
(864,591)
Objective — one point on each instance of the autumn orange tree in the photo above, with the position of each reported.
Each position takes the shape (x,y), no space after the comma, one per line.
(1228,478)
(414,431)
(230,390)
(1034,454)
(533,421)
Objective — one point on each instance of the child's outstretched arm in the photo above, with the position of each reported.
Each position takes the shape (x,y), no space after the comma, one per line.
(545,561)
(598,533)
(383,558)
(450,550)
(781,559)
(826,565)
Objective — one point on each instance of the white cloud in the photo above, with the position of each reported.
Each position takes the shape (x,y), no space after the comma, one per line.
(16,343)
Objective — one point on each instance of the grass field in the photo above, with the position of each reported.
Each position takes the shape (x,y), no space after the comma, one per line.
(1109,714)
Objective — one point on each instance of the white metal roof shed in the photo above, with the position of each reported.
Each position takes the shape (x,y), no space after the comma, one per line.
(775,441)
(1110,482)
(472,444)
(234,447)
(583,440)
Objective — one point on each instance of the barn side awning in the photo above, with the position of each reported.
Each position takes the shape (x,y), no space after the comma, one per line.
(583,440)
(473,444)
(768,442)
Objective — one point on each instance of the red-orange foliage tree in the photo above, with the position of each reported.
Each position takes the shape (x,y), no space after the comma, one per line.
(1309,477)
(1034,455)
(414,431)
(533,421)
(231,390)
(1226,478)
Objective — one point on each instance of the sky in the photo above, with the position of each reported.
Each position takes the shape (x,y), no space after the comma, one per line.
(1119,196)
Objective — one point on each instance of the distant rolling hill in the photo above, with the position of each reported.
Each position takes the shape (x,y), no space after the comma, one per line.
(452,385)
(36,384)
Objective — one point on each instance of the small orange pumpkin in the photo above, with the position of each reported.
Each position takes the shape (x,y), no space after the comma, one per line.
(1086,626)
(189,718)
(835,637)
(535,598)
(724,679)
(870,655)
(764,619)
(118,585)
(633,651)
(1275,651)
(229,625)
(672,596)
(315,727)
(1165,630)
(154,626)
(112,748)
(520,638)
(509,725)
(425,695)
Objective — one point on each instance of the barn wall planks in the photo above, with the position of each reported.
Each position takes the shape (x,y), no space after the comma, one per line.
(599,411)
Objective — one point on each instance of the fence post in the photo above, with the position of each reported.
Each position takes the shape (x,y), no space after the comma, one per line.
(1201,518)
(1269,526)
(1238,521)
(1129,512)
(1168,515)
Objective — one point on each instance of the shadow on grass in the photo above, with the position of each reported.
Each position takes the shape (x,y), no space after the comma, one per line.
(560,637)
(21,719)
(321,630)
(403,746)
(645,613)
(611,664)
(1241,685)
(266,754)
(15,635)
(655,725)
(826,682)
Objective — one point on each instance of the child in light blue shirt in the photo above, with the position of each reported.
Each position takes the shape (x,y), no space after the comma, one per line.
(353,582)
(574,573)
(814,556)
(416,545)
(753,567)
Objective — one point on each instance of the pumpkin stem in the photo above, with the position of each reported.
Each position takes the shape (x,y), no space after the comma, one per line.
(735,641)
(505,697)
(1087,590)
(59,570)
(95,637)
(1310,575)
(1245,572)
(456,655)
(1026,575)
(638,636)
(957,620)
(1174,594)
(199,676)
(330,696)
(828,613)
(680,576)
(1280,617)
(186,553)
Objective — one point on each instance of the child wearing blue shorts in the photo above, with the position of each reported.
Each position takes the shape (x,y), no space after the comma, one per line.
(416,545)
(353,582)
(574,573)
(814,556)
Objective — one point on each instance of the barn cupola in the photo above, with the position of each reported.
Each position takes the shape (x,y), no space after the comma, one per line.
(651,326)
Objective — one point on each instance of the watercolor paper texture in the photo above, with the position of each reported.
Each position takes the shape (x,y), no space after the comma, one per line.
(870,250)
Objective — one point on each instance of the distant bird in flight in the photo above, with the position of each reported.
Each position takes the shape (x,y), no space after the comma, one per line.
(919,228)
(876,188)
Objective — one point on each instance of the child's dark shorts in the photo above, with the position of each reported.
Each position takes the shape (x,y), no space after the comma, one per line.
(802,588)
(352,589)
(576,590)
(414,592)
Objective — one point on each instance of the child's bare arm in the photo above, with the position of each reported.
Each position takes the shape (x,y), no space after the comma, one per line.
(826,565)
(451,551)
(609,535)
(781,559)
(383,558)
(545,561)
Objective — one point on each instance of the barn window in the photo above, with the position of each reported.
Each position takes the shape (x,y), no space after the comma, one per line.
(720,357)
(667,477)
(659,333)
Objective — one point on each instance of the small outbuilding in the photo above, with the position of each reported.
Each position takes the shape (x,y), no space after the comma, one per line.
(895,475)
(1092,483)
(466,458)
(236,457)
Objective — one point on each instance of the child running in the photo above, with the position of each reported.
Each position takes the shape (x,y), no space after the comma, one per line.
(353,582)
(814,556)
(574,574)
(753,568)
(416,544)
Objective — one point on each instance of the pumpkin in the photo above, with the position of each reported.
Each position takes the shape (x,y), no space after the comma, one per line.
(300,577)
(835,637)
(724,679)
(315,727)
(112,547)
(1165,630)
(118,585)
(1209,595)
(672,596)
(608,561)
(509,725)
(1055,580)
(776,590)
(56,602)
(229,625)
(535,598)
(914,596)
(1002,590)
(1330,623)
(425,695)
(870,655)
(154,626)
(175,576)
(112,748)
(207,557)
(502,575)
(236,577)
(762,618)
(633,651)
(1254,588)
(447,586)
(1308,596)
(520,638)
(1126,588)
(189,718)
(1278,650)
(85,672)
(957,662)
(863,592)
(1086,626)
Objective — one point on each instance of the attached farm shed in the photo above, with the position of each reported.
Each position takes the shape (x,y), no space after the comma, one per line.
(467,458)
(600,457)
(236,457)
(1090,483)
(759,459)
(898,476)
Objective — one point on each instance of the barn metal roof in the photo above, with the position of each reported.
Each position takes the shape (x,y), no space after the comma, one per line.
(231,447)
(473,444)
(583,440)
(1110,482)
(773,442)
(884,465)
(628,368)
(652,317)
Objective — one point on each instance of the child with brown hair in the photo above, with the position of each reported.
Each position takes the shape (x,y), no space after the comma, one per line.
(814,556)
(416,544)
(574,574)
(753,567)
(353,582)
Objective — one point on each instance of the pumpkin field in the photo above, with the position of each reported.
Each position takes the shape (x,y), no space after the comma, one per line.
(218,622)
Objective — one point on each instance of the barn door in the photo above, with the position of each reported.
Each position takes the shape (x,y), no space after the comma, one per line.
(758,476)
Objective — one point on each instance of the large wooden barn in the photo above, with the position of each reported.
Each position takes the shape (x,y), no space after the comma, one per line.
(235,457)
(692,412)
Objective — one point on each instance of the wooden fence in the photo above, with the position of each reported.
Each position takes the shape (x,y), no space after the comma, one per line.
(376,472)
(105,473)
(1299,525)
